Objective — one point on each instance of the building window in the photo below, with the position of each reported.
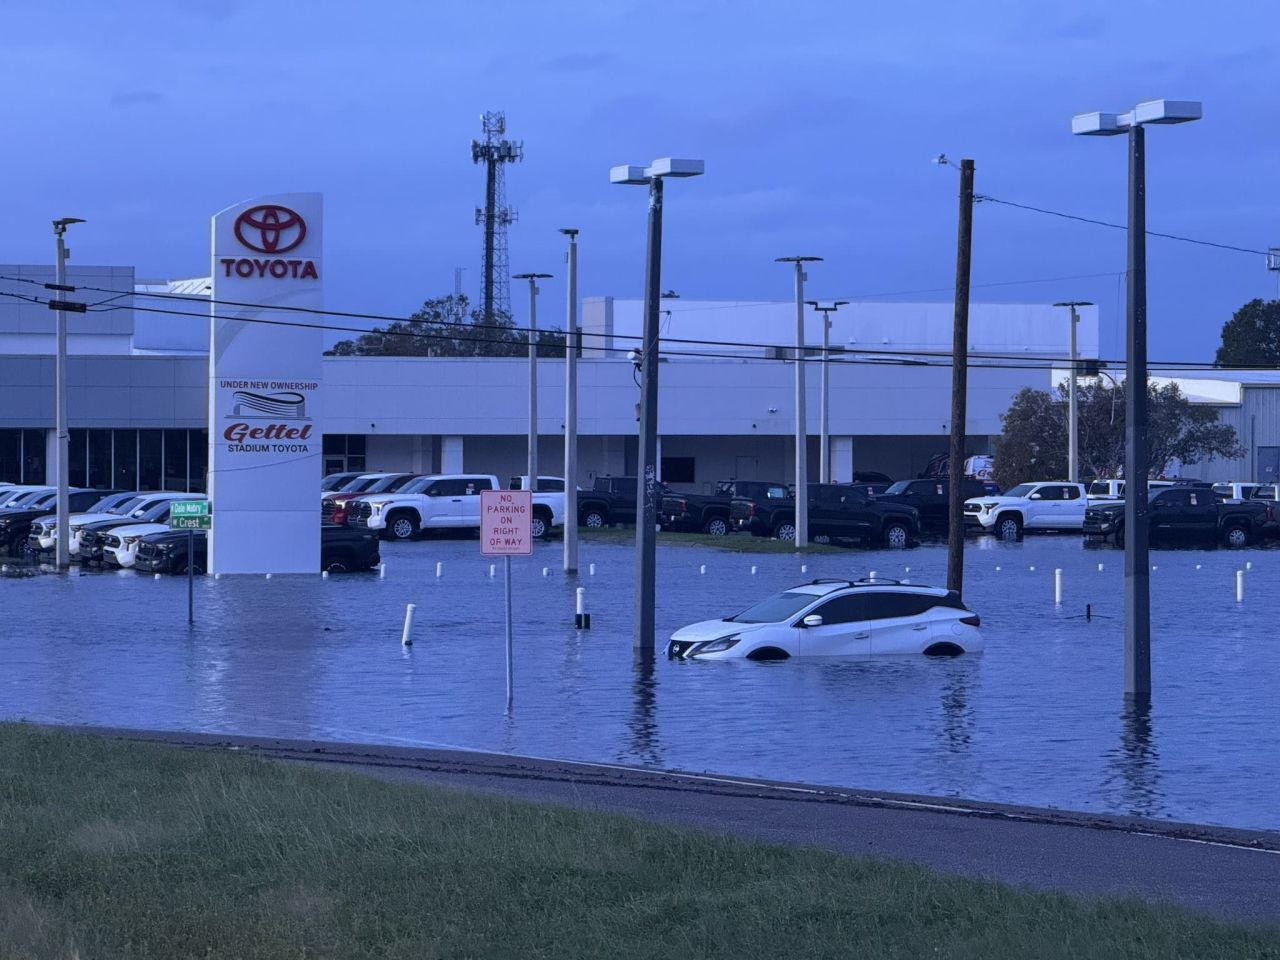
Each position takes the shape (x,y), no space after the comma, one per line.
(124,461)
(677,470)
(150,459)
(344,452)
(175,459)
(11,456)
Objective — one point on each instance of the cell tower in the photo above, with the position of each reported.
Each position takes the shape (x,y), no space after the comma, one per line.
(494,151)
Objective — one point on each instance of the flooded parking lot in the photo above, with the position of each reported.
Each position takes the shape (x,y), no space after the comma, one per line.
(1038,718)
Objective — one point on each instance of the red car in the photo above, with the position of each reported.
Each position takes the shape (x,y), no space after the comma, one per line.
(333,506)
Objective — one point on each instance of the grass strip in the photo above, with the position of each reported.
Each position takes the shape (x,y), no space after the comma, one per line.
(122,850)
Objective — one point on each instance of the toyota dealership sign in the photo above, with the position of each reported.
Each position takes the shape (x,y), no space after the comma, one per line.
(264,385)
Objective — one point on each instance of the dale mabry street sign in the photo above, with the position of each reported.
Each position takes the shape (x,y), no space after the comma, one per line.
(264,384)
(190,515)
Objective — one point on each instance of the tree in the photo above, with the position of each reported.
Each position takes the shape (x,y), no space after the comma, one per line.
(1251,338)
(1034,443)
(445,327)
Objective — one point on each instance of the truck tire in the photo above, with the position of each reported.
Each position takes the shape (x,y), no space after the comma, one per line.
(785,530)
(334,562)
(1236,536)
(1008,526)
(540,527)
(402,525)
(595,518)
(896,535)
(716,526)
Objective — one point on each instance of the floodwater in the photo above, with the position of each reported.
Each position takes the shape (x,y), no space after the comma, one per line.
(1039,718)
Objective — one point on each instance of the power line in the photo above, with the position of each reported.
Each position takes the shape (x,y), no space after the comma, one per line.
(939,359)
(1119,226)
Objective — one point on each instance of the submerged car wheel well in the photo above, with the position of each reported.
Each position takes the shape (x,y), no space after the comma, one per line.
(944,649)
(768,653)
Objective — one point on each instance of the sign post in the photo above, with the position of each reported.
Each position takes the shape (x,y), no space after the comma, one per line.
(190,515)
(506,530)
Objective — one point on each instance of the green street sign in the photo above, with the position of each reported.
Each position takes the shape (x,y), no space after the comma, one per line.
(190,523)
(189,508)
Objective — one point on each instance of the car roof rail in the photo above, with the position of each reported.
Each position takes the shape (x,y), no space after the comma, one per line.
(847,583)
(871,581)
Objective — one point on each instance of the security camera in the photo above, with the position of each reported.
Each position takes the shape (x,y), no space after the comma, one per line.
(634,356)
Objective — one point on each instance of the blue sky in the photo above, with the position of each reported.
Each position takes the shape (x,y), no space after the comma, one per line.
(817,122)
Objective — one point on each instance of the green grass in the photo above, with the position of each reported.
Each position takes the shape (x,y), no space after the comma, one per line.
(117,850)
(738,542)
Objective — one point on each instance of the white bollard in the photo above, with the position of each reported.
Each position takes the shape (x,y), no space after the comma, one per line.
(1154,568)
(1033,569)
(546,571)
(1057,586)
(1197,566)
(804,568)
(406,638)
(702,568)
(217,576)
(493,570)
(753,571)
(324,574)
(157,577)
(591,569)
(1248,564)
(439,569)
(1099,568)
(382,571)
(1239,586)
(581,619)
(871,574)
(906,569)
(268,576)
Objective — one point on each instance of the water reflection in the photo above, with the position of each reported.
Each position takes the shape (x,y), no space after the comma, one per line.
(1136,764)
(642,725)
(957,712)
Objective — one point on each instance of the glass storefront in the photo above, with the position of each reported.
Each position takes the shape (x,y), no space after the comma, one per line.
(105,459)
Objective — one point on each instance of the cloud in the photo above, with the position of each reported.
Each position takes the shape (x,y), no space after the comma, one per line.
(580,62)
(136,98)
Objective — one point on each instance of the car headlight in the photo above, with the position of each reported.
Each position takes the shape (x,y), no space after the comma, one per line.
(129,541)
(377,507)
(720,645)
(988,506)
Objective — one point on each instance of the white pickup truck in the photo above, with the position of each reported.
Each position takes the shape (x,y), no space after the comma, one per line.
(1028,506)
(443,502)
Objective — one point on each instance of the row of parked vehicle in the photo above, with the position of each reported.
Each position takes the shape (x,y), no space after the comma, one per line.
(129,529)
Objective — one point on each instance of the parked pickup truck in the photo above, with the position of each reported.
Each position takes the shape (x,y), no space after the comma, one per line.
(341,550)
(709,513)
(1114,489)
(442,502)
(931,498)
(1186,515)
(611,500)
(1028,506)
(836,512)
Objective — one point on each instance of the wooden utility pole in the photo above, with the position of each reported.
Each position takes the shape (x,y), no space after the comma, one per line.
(959,385)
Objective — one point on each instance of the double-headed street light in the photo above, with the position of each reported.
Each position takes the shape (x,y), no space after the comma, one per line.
(1073,428)
(1137,572)
(802,426)
(824,427)
(532,464)
(647,475)
(62,550)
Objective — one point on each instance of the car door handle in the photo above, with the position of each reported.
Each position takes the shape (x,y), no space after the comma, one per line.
(456,500)
(920,626)
(861,636)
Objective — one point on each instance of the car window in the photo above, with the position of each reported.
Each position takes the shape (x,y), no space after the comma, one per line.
(828,497)
(1070,493)
(514,484)
(851,608)
(1050,493)
(774,609)
(887,606)
(1195,498)
(443,488)
(472,486)
(416,485)
(1099,488)
(548,485)
(897,488)
(1021,490)
(1171,498)
(776,493)
(397,483)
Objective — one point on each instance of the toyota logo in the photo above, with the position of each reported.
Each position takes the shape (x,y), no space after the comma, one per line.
(270,228)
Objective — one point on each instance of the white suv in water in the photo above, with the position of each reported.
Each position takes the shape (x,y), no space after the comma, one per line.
(837,618)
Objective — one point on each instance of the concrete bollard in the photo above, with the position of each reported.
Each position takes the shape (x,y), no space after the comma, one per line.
(1057,586)
(382,571)
(581,619)
(439,569)
(406,638)
(1239,586)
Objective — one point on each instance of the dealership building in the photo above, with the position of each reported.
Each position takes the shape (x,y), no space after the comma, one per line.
(139,390)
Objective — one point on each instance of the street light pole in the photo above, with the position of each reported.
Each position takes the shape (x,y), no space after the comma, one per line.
(1073,420)
(1137,569)
(62,550)
(532,465)
(647,475)
(802,425)
(959,384)
(571,342)
(824,423)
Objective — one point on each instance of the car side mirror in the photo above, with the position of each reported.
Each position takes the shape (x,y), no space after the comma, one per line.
(1035,496)
(812,620)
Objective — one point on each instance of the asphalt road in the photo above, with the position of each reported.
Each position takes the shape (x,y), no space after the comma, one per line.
(1230,874)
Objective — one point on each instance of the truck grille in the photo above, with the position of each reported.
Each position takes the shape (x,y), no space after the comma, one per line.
(972,508)
(326,511)
(111,540)
(358,513)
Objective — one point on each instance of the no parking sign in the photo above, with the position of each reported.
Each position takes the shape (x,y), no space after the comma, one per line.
(506,523)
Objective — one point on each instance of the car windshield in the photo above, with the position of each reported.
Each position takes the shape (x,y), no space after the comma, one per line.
(123,507)
(359,484)
(107,502)
(334,482)
(899,487)
(1099,488)
(774,609)
(416,485)
(1021,490)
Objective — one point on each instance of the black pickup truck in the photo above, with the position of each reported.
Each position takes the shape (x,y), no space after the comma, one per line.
(931,498)
(709,513)
(342,549)
(836,512)
(611,500)
(1185,515)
